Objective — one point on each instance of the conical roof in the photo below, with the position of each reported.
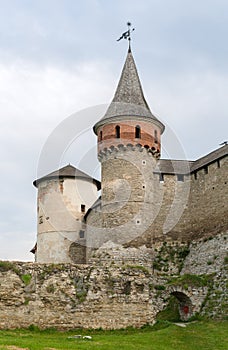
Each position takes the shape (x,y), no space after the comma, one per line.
(129,100)
(68,171)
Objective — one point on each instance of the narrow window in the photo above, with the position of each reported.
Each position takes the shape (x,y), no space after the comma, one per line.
(61,185)
(101,135)
(195,175)
(161,177)
(81,234)
(117,131)
(83,207)
(155,136)
(180,177)
(205,170)
(218,163)
(137,132)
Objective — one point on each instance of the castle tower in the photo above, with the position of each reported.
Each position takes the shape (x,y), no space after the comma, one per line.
(129,143)
(63,198)
(128,118)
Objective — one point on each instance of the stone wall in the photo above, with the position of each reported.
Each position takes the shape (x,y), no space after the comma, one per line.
(113,294)
(209,257)
(138,208)
(131,197)
(69,297)
(194,208)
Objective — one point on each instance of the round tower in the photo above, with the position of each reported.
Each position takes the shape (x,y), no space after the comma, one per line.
(129,144)
(63,198)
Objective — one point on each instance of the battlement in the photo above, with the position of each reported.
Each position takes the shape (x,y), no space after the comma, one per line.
(113,150)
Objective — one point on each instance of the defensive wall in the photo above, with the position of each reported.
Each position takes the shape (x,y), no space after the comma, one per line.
(155,205)
(116,294)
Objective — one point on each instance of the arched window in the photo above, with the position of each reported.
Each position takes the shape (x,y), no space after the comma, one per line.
(155,136)
(101,135)
(117,131)
(137,132)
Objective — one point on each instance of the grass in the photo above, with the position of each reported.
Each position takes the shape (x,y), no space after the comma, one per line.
(163,336)
(192,280)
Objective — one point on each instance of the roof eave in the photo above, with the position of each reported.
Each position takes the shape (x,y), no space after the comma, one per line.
(114,120)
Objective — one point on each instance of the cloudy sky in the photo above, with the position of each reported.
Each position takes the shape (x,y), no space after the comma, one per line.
(61,57)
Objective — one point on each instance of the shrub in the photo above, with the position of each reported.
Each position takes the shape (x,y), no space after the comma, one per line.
(192,280)
(50,288)
(170,312)
(8,266)
(26,279)
(159,287)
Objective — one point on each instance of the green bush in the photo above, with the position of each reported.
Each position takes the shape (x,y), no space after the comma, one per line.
(26,279)
(192,280)
(159,287)
(8,266)
(171,312)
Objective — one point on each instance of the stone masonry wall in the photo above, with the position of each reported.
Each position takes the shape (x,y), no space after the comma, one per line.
(140,209)
(69,297)
(131,197)
(114,295)
(194,208)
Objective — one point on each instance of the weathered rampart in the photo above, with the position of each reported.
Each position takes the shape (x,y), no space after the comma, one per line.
(113,294)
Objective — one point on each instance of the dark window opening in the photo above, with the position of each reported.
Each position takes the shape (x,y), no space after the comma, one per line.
(101,135)
(81,234)
(155,136)
(83,207)
(195,175)
(117,131)
(218,163)
(61,185)
(205,170)
(161,177)
(137,132)
(180,177)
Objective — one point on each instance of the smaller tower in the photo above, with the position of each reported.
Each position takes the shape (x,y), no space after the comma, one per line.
(63,198)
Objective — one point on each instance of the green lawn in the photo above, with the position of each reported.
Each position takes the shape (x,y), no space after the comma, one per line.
(195,336)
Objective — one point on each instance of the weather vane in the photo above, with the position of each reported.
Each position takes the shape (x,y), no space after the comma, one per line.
(127,34)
